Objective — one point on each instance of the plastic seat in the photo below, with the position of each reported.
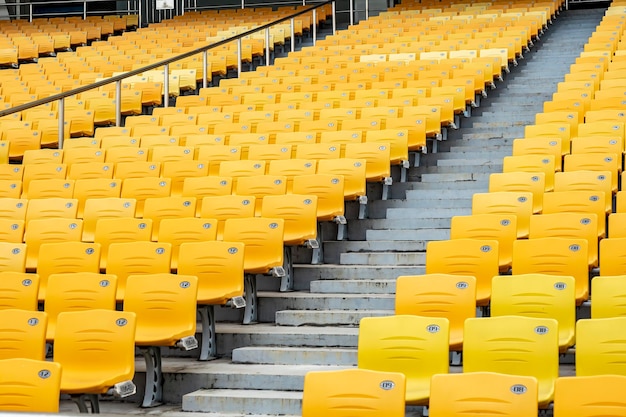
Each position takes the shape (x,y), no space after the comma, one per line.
(617,225)
(136,169)
(567,256)
(520,181)
(219,266)
(500,227)
(10,188)
(226,207)
(586,181)
(96,349)
(102,208)
(177,231)
(50,188)
(299,213)
(121,154)
(532,163)
(538,295)
(353,172)
(473,257)
(137,258)
(392,344)
(540,146)
(377,157)
(52,207)
(585,396)
(42,172)
(476,394)
(338,393)
(142,188)
(120,230)
(160,208)
(165,308)
(611,257)
(91,170)
(329,192)
(506,202)
(29,386)
(599,347)
(42,231)
(608,292)
(42,156)
(290,168)
(23,335)
(514,345)
(13,208)
(18,290)
(21,140)
(438,295)
(77,291)
(595,162)
(577,202)
(82,156)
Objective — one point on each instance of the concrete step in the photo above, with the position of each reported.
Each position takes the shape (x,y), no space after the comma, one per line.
(295,356)
(399,213)
(456,153)
(435,195)
(461,177)
(326,318)
(482,184)
(403,236)
(357,229)
(416,203)
(382,258)
(380,245)
(465,167)
(315,272)
(357,286)
(244,401)
(232,336)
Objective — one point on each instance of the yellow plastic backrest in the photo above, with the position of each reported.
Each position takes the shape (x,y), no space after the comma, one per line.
(476,394)
(413,345)
(352,170)
(587,396)
(329,190)
(23,334)
(160,208)
(514,345)
(609,293)
(65,257)
(500,227)
(299,213)
(186,229)
(531,163)
(537,295)
(96,349)
(518,203)
(18,290)
(438,295)
(165,305)
(577,202)
(595,162)
(600,347)
(28,385)
(474,257)
(263,238)
(533,182)
(586,181)
(349,392)
(612,256)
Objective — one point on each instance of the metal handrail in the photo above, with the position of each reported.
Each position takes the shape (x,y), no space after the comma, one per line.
(165,63)
(31,14)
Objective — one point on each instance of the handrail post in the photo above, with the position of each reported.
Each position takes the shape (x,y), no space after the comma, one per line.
(61,112)
(205,72)
(30,13)
(239,57)
(84,10)
(166,85)
(314,26)
(293,34)
(139,12)
(367,9)
(118,103)
(334,17)
(351,12)
(267,47)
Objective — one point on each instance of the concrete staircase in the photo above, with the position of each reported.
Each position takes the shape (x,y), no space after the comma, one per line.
(315,327)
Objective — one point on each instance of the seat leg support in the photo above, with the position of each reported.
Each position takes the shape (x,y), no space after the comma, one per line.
(250,313)
(317,257)
(153,394)
(208,350)
(81,401)
(286,281)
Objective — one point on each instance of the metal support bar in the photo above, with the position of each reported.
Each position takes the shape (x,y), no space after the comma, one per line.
(286,281)
(84,10)
(153,394)
(317,258)
(208,349)
(367,9)
(166,85)
(118,103)
(205,72)
(250,313)
(334,17)
(239,57)
(314,26)
(351,12)
(267,47)
(61,113)
(292,26)
(81,401)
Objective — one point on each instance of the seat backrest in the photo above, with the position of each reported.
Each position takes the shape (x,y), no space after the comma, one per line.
(531,163)
(583,396)
(540,146)
(177,231)
(577,202)
(473,257)
(600,347)
(299,213)
(23,334)
(537,295)
(103,208)
(77,291)
(161,208)
(263,238)
(166,302)
(438,295)
(353,172)
(11,230)
(595,162)
(137,258)
(96,349)
(136,169)
(142,188)
(500,227)
(53,207)
(514,345)
(329,192)
(261,186)
(586,181)
(612,260)
(28,385)
(40,231)
(518,203)
(120,230)
(353,392)
(18,290)
(399,343)
(50,188)
(609,293)
(65,257)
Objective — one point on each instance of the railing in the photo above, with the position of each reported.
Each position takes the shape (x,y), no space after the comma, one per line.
(166,62)
(22,9)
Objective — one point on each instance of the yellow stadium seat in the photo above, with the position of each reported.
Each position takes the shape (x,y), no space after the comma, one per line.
(10,188)
(538,295)
(583,396)
(611,257)
(595,162)
(42,156)
(599,347)
(18,290)
(102,208)
(392,344)
(586,181)
(50,188)
(337,393)
(299,213)
(539,146)
(260,187)
(42,231)
(506,202)
(157,209)
(29,386)
(96,349)
(473,257)
(142,188)
(520,181)
(532,163)
(617,225)
(608,294)
(42,172)
(514,345)
(438,295)
(24,335)
(136,169)
(77,291)
(165,309)
(577,202)
(476,394)
(52,207)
